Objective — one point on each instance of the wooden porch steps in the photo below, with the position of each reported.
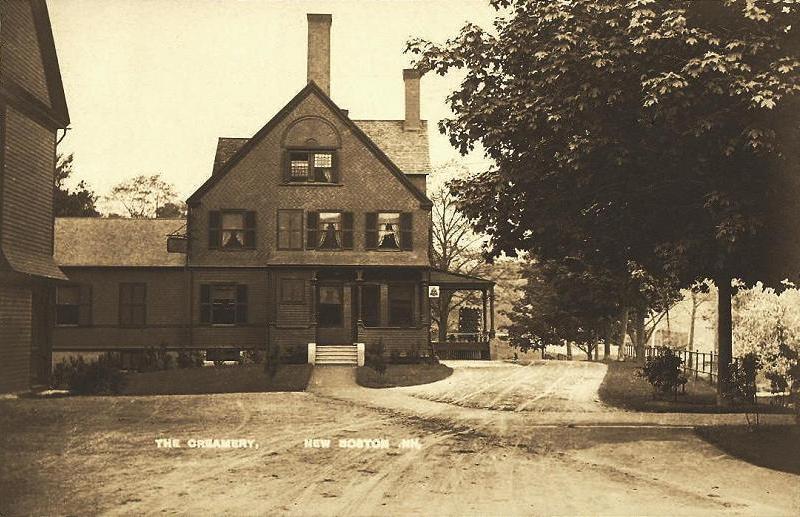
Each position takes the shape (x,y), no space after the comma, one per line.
(337,354)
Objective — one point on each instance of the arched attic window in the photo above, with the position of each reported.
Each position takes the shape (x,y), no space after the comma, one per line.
(311,152)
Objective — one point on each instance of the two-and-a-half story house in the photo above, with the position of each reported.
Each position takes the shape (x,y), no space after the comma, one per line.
(314,230)
(32,109)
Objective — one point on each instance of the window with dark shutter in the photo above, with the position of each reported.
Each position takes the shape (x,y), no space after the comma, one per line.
(86,306)
(250,230)
(241,304)
(312,221)
(347,230)
(223,304)
(371,225)
(205,303)
(214,221)
(406,233)
(132,304)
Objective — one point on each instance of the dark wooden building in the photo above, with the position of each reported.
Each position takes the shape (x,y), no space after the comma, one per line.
(32,109)
(314,230)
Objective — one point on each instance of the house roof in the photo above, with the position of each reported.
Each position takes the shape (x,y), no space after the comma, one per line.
(407,149)
(53,113)
(458,280)
(310,88)
(92,241)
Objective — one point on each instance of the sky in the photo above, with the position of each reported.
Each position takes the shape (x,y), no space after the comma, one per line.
(152,84)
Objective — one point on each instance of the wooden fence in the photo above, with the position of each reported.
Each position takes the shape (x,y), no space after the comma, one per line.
(698,363)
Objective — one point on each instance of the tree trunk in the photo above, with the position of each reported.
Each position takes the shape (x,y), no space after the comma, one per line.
(596,348)
(638,336)
(569,350)
(623,331)
(607,344)
(724,335)
(691,321)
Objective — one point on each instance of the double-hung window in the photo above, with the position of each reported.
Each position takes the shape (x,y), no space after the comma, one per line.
(329,230)
(231,229)
(290,229)
(223,304)
(68,305)
(389,231)
(317,166)
(132,304)
(371,305)
(401,305)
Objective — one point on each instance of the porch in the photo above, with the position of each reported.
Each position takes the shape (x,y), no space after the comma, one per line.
(471,343)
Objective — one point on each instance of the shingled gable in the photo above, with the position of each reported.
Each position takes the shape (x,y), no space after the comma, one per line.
(310,88)
(55,114)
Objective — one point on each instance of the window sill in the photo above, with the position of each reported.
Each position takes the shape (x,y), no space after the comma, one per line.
(232,250)
(69,325)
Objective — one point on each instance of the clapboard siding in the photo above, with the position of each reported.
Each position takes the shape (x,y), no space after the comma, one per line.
(15,338)
(27,211)
(21,54)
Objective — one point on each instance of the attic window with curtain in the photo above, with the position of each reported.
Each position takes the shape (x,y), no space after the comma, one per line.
(312,167)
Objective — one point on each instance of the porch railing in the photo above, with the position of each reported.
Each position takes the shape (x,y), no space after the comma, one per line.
(462,345)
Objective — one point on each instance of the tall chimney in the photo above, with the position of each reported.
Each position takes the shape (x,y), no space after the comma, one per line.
(319,50)
(411,77)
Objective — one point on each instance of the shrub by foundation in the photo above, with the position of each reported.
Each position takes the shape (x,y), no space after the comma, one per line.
(100,377)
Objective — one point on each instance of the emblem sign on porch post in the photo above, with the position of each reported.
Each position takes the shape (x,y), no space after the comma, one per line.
(433,291)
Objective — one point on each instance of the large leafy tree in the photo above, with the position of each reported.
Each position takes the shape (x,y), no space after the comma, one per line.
(72,202)
(662,134)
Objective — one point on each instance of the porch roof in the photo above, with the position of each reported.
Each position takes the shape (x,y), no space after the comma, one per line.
(455,281)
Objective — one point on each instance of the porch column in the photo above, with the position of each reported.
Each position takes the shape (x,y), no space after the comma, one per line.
(483,301)
(443,295)
(491,311)
(425,305)
(359,293)
(314,314)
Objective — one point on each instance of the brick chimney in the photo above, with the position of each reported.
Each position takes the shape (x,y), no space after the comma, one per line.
(411,77)
(319,50)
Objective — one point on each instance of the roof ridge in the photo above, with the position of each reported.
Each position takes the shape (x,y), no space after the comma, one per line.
(308,89)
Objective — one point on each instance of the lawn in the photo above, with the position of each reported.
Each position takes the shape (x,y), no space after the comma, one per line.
(402,375)
(218,379)
(623,388)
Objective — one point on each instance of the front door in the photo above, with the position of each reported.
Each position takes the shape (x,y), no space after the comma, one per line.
(333,325)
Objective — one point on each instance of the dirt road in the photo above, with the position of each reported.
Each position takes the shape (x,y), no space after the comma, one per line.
(98,455)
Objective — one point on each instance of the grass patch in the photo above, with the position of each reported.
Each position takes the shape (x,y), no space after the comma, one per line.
(402,375)
(623,388)
(218,379)
(773,447)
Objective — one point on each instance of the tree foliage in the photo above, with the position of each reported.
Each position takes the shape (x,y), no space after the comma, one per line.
(145,197)
(767,324)
(76,202)
(658,133)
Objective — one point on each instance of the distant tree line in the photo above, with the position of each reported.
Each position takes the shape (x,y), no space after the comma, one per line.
(140,197)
